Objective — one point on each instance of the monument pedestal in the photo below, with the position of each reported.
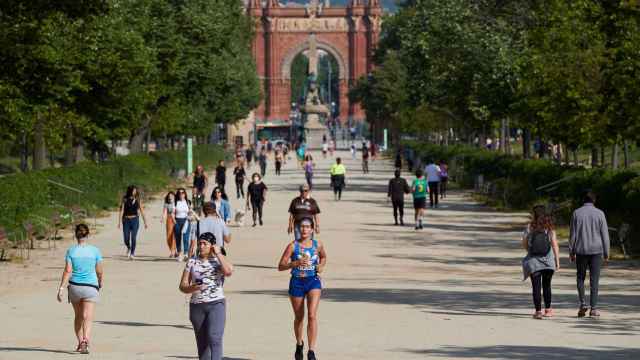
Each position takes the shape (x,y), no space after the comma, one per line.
(314,132)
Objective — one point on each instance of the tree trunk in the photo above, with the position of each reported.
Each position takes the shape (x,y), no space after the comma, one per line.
(78,150)
(614,156)
(602,164)
(594,157)
(575,157)
(565,153)
(136,141)
(625,148)
(526,143)
(68,151)
(24,153)
(39,145)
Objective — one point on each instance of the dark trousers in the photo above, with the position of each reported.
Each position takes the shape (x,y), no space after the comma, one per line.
(398,208)
(337,181)
(309,177)
(541,282)
(278,167)
(221,185)
(443,188)
(256,206)
(263,168)
(433,192)
(239,189)
(130,228)
(594,264)
(208,320)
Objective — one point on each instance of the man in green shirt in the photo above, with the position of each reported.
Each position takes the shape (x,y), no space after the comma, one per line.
(419,190)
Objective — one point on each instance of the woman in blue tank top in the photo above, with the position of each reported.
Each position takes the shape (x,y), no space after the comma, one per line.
(306,258)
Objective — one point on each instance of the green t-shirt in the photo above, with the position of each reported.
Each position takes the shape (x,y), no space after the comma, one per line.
(419,188)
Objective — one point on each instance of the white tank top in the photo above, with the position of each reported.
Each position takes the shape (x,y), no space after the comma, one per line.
(182,209)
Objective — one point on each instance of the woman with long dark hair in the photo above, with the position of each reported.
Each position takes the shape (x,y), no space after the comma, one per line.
(308,170)
(131,209)
(182,230)
(220,198)
(83,274)
(542,259)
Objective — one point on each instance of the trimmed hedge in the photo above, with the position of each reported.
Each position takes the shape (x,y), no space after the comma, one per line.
(516,180)
(31,197)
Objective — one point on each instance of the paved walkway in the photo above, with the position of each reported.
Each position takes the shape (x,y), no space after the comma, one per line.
(453,290)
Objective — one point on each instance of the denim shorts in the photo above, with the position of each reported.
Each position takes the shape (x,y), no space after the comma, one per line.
(300,286)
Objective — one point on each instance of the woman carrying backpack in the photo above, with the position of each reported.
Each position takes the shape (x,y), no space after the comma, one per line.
(542,260)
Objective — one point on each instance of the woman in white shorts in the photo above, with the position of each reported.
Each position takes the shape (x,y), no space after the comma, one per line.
(83,273)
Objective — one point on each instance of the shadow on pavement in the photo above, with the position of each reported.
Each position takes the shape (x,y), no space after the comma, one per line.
(35,349)
(519,352)
(141,324)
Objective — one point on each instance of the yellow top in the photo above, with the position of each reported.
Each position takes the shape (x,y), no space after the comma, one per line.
(337,169)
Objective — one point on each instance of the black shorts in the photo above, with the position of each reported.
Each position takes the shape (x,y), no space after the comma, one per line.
(420,203)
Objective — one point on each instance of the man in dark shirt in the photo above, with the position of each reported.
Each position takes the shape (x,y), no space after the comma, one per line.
(302,207)
(398,186)
(221,175)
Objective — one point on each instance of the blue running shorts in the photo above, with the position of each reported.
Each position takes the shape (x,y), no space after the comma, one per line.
(300,286)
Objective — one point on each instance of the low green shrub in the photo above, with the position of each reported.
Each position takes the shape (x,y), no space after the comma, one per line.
(32,197)
(515,181)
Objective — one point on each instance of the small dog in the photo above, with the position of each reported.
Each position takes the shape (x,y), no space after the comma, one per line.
(239,218)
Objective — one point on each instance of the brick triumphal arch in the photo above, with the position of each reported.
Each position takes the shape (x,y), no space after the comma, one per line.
(348,33)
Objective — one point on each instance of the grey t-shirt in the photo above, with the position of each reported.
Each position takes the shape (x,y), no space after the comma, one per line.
(216,226)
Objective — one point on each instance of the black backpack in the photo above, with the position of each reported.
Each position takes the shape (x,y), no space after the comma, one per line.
(539,244)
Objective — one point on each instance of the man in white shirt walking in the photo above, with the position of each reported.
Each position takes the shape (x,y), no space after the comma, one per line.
(432,171)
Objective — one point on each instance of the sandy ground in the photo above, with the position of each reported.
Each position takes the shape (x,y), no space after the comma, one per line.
(453,290)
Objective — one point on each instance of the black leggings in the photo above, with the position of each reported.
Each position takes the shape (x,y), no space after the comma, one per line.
(239,189)
(398,207)
(541,280)
(278,167)
(256,206)
(443,188)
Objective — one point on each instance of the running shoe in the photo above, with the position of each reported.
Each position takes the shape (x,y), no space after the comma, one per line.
(594,313)
(299,355)
(548,312)
(311,355)
(538,315)
(582,312)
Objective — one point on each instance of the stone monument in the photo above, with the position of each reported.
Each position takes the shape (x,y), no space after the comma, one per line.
(313,107)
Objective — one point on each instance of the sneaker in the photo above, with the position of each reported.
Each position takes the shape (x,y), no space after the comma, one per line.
(582,312)
(254,225)
(401,223)
(548,312)
(132,257)
(421,227)
(594,313)
(538,315)
(261,222)
(299,355)
(311,355)
(417,227)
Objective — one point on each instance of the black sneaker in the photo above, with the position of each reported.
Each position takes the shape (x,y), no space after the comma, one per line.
(261,222)
(299,355)
(417,227)
(311,355)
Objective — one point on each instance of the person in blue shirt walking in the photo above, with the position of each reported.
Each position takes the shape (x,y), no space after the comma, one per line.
(306,258)
(83,273)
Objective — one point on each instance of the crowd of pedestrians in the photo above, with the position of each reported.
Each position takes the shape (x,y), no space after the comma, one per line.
(202,239)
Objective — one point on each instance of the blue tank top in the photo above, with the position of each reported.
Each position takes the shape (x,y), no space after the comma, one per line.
(312,253)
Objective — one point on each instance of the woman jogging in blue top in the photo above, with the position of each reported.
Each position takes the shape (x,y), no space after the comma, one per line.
(306,258)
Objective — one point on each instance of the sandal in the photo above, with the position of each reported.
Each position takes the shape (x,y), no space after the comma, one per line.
(84,347)
(548,312)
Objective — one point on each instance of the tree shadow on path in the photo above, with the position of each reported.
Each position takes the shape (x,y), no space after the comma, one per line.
(520,352)
(35,349)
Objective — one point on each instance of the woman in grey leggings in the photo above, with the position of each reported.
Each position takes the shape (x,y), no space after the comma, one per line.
(203,278)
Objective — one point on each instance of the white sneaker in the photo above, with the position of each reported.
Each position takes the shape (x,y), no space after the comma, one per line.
(179,258)
(132,257)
